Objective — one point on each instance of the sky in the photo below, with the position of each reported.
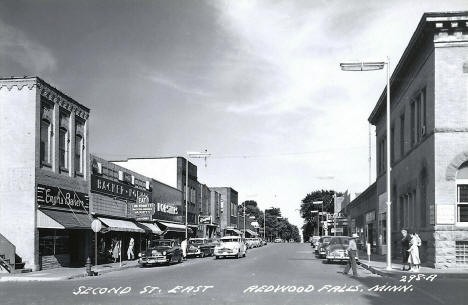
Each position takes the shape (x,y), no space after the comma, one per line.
(255,83)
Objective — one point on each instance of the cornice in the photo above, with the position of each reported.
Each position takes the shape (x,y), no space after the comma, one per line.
(18,83)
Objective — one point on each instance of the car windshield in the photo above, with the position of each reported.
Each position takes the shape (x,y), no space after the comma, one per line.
(161,243)
(339,240)
(229,240)
(326,240)
(196,241)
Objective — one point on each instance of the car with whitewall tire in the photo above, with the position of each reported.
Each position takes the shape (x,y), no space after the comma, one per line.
(231,246)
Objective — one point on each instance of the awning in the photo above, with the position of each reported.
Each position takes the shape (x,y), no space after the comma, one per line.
(238,232)
(54,219)
(251,233)
(174,227)
(152,227)
(121,225)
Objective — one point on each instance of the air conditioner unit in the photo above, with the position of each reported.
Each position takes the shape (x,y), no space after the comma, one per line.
(121,176)
(99,168)
(423,130)
(147,185)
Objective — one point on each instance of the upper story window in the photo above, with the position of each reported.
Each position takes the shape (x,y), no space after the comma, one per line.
(462,193)
(64,143)
(46,142)
(402,135)
(79,160)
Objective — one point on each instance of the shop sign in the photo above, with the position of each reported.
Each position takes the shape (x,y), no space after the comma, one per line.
(370,216)
(142,208)
(167,208)
(204,220)
(115,189)
(61,198)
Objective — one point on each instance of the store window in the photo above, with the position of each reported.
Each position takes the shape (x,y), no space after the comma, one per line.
(53,242)
(79,154)
(462,193)
(64,143)
(45,142)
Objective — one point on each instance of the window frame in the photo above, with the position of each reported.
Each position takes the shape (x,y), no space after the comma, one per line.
(66,149)
(458,203)
(46,163)
(79,153)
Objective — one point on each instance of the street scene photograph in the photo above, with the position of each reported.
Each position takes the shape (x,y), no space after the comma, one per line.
(221,152)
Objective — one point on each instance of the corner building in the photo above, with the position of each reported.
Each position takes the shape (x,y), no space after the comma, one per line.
(44,204)
(429,141)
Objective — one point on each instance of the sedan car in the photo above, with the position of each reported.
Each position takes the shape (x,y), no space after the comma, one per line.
(231,246)
(200,247)
(337,249)
(314,240)
(278,240)
(322,246)
(161,251)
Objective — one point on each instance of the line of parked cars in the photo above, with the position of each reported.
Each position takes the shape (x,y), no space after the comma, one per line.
(167,251)
(331,248)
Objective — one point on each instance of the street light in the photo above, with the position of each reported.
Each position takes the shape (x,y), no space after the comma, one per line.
(371,66)
(192,154)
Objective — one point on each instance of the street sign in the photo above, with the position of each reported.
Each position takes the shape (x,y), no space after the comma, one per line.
(96,225)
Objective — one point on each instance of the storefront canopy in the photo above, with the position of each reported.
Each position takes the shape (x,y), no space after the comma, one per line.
(54,219)
(174,227)
(237,232)
(251,233)
(121,225)
(152,227)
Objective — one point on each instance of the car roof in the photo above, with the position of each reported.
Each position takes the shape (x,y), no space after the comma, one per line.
(230,237)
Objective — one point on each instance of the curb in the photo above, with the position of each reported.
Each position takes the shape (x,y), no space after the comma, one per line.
(61,278)
(397,274)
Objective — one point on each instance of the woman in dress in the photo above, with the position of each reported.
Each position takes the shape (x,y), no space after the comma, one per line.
(413,258)
(116,251)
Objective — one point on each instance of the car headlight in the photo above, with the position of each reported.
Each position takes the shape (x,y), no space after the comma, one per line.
(139,254)
(164,253)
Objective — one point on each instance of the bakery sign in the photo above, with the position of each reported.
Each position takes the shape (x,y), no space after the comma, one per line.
(116,189)
(51,196)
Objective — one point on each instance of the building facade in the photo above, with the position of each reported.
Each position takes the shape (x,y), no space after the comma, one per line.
(228,204)
(44,203)
(429,136)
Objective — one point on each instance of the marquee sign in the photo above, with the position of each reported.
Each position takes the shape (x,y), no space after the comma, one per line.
(52,196)
(167,208)
(115,189)
(204,220)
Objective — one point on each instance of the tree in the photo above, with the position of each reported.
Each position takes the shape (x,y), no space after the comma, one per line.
(307,208)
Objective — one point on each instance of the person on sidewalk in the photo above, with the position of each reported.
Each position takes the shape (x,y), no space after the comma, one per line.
(352,249)
(404,249)
(413,258)
(130,254)
(116,251)
(183,245)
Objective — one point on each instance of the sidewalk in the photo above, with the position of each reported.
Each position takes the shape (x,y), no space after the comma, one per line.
(65,273)
(378,265)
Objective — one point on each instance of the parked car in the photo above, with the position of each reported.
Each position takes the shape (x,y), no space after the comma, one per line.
(249,242)
(258,242)
(231,246)
(278,240)
(322,246)
(314,240)
(337,249)
(161,251)
(200,247)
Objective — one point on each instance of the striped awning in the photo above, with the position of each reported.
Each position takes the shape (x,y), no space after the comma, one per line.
(151,227)
(121,225)
(56,219)
(174,227)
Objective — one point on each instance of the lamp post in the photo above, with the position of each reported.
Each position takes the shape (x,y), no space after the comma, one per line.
(204,155)
(371,66)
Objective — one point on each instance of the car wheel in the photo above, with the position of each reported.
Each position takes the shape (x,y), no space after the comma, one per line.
(328,261)
(238,254)
(216,257)
(202,254)
(245,253)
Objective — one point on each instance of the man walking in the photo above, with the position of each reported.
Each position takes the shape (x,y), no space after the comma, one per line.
(352,250)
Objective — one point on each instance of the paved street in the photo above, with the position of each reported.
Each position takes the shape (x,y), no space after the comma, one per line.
(274,274)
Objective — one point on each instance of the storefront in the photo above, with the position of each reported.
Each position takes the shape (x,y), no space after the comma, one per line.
(64,227)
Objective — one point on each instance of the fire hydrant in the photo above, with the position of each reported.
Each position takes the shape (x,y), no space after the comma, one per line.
(88,267)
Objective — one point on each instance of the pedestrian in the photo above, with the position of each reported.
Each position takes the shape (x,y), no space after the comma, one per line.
(183,245)
(352,250)
(116,251)
(404,249)
(418,243)
(413,258)
(131,244)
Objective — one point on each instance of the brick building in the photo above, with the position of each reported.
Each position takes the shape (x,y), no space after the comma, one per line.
(429,136)
(44,204)
(229,210)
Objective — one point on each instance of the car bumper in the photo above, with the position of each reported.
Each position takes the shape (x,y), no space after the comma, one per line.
(153,260)
(193,253)
(225,253)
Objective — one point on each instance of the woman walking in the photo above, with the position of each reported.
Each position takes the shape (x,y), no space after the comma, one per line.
(413,258)
(116,251)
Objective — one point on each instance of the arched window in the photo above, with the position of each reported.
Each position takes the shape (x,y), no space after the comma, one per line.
(79,154)
(64,143)
(462,193)
(45,143)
